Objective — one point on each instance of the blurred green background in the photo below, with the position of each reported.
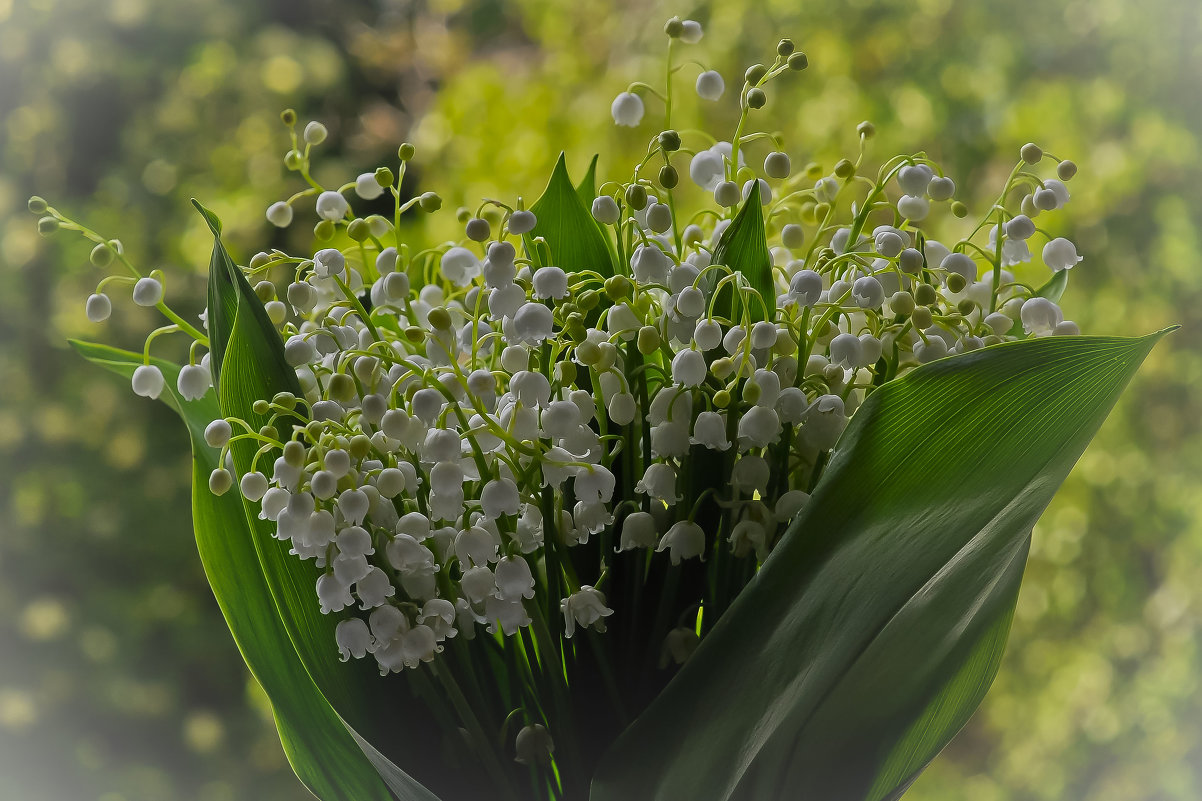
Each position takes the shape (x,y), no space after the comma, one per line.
(118,680)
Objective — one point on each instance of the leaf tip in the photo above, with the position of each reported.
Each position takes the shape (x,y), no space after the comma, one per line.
(210,218)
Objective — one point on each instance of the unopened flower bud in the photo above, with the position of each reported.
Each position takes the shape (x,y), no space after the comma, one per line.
(315,133)
(648,340)
(1031,153)
(636,197)
(798,61)
(477,229)
(430,202)
(866,130)
(668,177)
(756,98)
(220,481)
(1065,170)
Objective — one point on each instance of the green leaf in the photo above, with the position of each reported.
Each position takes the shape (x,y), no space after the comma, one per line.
(586,190)
(252,368)
(1055,286)
(744,249)
(322,752)
(874,629)
(575,240)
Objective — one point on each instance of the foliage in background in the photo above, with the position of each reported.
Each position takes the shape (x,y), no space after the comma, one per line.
(118,676)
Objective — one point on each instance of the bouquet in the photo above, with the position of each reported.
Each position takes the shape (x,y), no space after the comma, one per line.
(663,487)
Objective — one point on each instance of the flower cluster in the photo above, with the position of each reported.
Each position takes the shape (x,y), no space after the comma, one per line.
(474,411)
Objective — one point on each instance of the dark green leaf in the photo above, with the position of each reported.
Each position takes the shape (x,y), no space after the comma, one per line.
(744,249)
(575,240)
(323,753)
(875,627)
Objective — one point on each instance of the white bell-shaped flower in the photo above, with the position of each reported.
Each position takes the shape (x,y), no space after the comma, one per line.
(355,541)
(532,389)
(650,265)
(532,323)
(409,556)
(708,334)
(791,405)
(506,616)
(440,615)
(333,594)
(1060,254)
(279,214)
(825,422)
(638,531)
(585,607)
(349,569)
(622,408)
(459,266)
(475,546)
(550,282)
(500,497)
(659,482)
(594,483)
(710,431)
(750,474)
(683,540)
(148,382)
(805,288)
(98,307)
(914,178)
(688,368)
(514,579)
(478,583)
(353,638)
(627,109)
(332,205)
(367,187)
(710,85)
(1040,316)
(605,210)
(759,427)
(374,589)
(148,291)
(193,382)
(748,536)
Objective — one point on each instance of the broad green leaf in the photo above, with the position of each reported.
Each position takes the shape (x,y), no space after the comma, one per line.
(253,368)
(744,249)
(575,240)
(874,629)
(586,190)
(322,752)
